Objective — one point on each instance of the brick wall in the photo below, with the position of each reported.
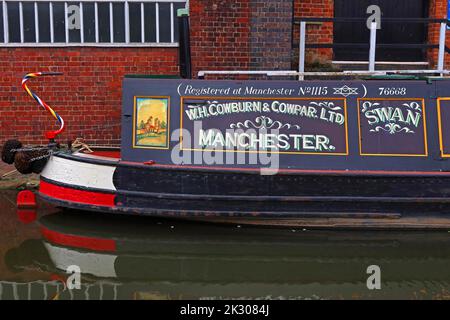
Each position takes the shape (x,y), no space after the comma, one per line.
(220,34)
(271,35)
(241,35)
(88,95)
(315,32)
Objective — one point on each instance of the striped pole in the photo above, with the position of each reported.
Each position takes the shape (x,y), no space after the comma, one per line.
(42,103)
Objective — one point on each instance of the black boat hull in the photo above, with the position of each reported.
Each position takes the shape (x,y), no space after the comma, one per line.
(215,193)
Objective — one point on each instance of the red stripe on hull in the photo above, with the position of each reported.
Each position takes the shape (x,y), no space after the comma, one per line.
(96,244)
(108,154)
(77,196)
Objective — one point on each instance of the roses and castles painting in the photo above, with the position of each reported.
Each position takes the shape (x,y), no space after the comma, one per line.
(151,121)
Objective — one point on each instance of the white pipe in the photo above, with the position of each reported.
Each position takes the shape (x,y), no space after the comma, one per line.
(5,23)
(142,23)
(66,22)
(52,31)
(36,22)
(97,37)
(172,27)
(21,22)
(127,22)
(441,46)
(111,23)
(157,21)
(81,23)
(301,55)
(373,46)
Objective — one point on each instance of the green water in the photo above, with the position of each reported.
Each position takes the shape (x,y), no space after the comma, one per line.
(128,257)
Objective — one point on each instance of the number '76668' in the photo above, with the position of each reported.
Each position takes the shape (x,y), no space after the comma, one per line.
(392,91)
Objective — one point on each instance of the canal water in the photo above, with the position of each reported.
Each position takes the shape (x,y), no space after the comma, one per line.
(127,257)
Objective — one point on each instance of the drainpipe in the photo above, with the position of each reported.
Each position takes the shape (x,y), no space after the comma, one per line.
(184,53)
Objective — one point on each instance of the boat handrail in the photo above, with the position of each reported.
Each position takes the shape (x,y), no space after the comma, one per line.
(284,73)
(301,73)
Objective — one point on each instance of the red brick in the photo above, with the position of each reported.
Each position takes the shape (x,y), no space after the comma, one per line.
(88,96)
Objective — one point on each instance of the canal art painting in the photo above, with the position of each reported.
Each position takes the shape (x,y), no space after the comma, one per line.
(281,125)
(151,122)
(392,127)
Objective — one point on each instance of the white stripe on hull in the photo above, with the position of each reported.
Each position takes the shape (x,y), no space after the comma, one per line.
(80,174)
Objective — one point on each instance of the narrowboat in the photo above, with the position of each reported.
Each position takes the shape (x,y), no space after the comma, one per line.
(368,152)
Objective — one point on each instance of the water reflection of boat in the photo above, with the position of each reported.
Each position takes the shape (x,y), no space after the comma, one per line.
(46,290)
(173,259)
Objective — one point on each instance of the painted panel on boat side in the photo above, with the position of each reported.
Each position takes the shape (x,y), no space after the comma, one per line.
(306,125)
(444,126)
(282,125)
(151,122)
(392,127)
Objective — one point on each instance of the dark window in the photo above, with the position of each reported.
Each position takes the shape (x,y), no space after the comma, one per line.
(59,23)
(135,22)
(119,22)
(103,22)
(29,30)
(13,22)
(164,22)
(150,22)
(44,21)
(89,22)
(1,24)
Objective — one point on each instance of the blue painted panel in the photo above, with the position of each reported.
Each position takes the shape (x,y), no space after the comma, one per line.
(354,125)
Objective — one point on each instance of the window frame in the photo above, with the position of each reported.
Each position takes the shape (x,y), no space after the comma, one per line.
(97,42)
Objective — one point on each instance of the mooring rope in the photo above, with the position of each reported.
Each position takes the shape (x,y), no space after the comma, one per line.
(30,149)
(79,143)
(41,102)
(43,156)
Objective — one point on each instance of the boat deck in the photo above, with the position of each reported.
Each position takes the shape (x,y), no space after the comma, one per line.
(100,154)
